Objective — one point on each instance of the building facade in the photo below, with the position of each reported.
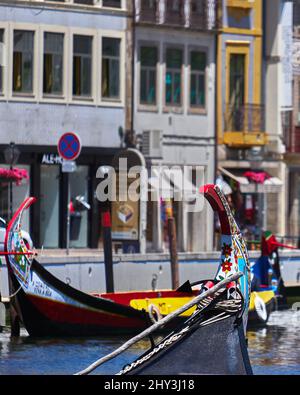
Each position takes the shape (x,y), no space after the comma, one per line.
(292,156)
(63,69)
(174,111)
(253,61)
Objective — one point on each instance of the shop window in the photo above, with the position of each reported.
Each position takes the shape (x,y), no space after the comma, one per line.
(1,59)
(111,3)
(79,217)
(197,79)
(174,62)
(148,75)
(49,206)
(111,68)
(53,63)
(23,61)
(82,66)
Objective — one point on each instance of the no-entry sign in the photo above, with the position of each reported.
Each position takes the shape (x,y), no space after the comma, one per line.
(69,146)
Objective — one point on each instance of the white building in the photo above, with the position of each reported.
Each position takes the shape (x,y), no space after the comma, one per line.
(63,68)
(174,112)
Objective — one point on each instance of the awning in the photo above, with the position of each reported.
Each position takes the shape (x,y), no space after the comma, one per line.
(270,185)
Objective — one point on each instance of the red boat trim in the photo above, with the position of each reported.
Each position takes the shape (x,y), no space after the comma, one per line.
(66,313)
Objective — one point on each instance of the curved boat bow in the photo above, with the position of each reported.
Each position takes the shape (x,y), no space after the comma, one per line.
(212,340)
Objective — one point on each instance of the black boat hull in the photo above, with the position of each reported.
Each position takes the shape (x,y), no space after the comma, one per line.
(219,348)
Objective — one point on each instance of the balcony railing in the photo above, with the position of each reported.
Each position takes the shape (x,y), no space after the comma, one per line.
(205,14)
(245,118)
(174,16)
(195,14)
(293,143)
(148,11)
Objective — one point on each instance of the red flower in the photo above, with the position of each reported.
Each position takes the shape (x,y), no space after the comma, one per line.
(226,265)
(227,250)
(15,175)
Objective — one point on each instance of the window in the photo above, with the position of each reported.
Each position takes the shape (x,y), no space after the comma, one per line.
(53,63)
(197,78)
(174,61)
(111,68)
(23,61)
(86,2)
(237,80)
(1,59)
(111,3)
(82,66)
(148,75)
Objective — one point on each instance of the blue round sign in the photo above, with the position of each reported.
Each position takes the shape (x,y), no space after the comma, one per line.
(69,146)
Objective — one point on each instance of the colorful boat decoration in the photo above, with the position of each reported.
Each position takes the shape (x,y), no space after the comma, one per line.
(212,339)
(49,307)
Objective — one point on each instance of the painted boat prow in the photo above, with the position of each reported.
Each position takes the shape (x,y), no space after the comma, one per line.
(47,306)
(212,340)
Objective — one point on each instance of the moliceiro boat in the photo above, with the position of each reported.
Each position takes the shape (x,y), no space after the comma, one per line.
(49,307)
(212,339)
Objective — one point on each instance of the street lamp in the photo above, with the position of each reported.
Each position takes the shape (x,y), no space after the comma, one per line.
(11,156)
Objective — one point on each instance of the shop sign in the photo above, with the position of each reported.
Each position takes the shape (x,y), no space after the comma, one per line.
(51,159)
(125,219)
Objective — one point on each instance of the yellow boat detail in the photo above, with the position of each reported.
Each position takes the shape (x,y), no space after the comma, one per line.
(164,305)
(266,296)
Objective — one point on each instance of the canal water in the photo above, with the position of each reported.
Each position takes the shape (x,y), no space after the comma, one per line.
(273,350)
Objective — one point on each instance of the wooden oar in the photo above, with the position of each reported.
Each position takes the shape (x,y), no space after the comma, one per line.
(160,323)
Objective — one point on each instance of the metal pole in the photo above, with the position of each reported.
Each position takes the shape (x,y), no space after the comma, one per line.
(173,252)
(11,199)
(107,245)
(11,185)
(68,217)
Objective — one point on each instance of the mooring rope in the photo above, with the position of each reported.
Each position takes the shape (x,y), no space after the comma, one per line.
(160,323)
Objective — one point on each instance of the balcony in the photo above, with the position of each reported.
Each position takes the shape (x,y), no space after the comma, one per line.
(204,14)
(194,14)
(244,126)
(175,14)
(148,11)
(293,142)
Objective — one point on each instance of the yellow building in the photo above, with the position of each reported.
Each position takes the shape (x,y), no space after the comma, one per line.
(240,109)
(245,161)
